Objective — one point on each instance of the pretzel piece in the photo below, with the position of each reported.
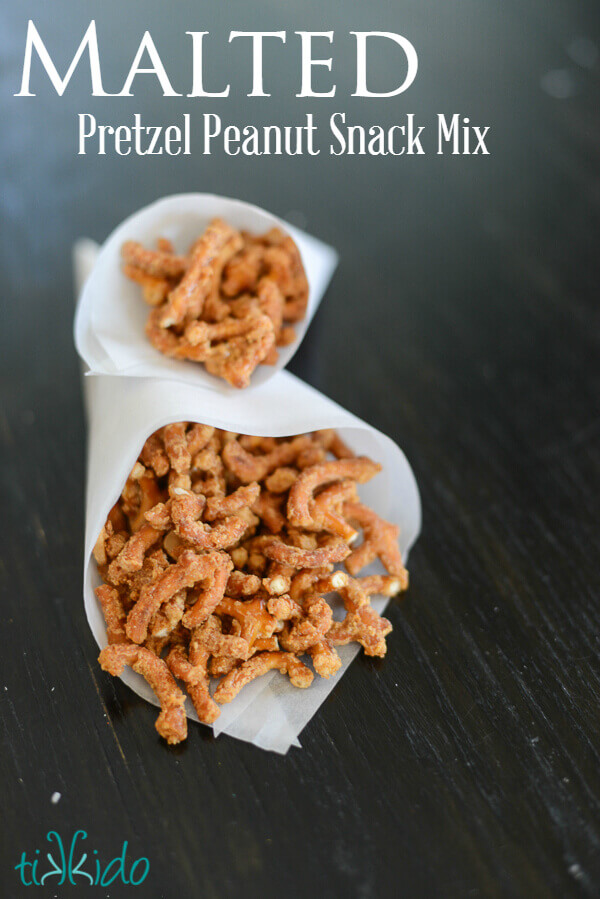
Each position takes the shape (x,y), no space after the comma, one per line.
(176,447)
(185,510)
(210,635)
(114,613)
(325,659)
(268,507)
(309,630)
(335,551)
(187,571)
(195,678)
(168,616)
(217,567)
(254,468)
(326,510)
(384,585)
(284,608)
(333,443)
(364,627)
(360,469)
(285,662)
(281,480)
(232,348)
(154,290)
(255,620)
(380,539)
(242,584)
(362,624)
(187,299)
(242,272)
(154,456)
(243,497)
(171,723)
(131,557)
(156,263)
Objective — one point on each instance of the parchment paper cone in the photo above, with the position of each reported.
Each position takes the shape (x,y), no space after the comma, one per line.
(122,412)
(113,312)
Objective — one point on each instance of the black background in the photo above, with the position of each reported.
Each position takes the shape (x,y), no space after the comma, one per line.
(462,321)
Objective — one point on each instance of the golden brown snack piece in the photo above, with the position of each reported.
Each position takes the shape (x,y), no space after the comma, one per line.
(277,584)
(256,622)
(284,608)
(221,535)
(216,568)
(153,566)
(325,659)
(168,616)
(195,677)
(299,511)
(248,467)
(220,665)
(227,303)
(327,510)
(242,584)
(114,613)
(362,624)
(296,557)
(154,290)
(158,263)
(242,273)
(268,507)
(210,635)
(154,455)
(281,480)
(333,443)
(218,559)
(187,299)
(171,723)
(242,498)
(310,630)
(364,627)
(187,571)
(176,447)
(231,348)
(131,557)
(380,539)
(384,585)
(286,662)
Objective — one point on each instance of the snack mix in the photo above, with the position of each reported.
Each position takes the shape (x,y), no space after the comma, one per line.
(229,303)
(219,555)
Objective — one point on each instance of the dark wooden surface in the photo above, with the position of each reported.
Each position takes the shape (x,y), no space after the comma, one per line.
(463,321)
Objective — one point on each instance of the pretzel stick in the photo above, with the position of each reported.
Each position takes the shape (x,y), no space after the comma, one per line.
(195,678)
(286,662)
(360,470)
(171,723)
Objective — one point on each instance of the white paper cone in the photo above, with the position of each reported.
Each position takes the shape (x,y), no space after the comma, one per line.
(111,317)
(122,413)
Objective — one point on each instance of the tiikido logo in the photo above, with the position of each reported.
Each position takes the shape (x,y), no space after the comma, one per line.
(68,863)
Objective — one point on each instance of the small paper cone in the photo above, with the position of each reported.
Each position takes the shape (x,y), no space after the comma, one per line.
(110,323)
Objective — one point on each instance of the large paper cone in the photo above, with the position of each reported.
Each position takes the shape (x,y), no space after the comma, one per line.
(123,412)
(111,317)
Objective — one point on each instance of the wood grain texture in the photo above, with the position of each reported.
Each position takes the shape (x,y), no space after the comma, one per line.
(463,321)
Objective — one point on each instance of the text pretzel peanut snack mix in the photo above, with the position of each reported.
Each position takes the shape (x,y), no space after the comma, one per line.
(229,303)
(220,554)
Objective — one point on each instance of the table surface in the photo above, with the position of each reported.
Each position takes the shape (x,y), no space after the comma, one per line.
(463,322)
